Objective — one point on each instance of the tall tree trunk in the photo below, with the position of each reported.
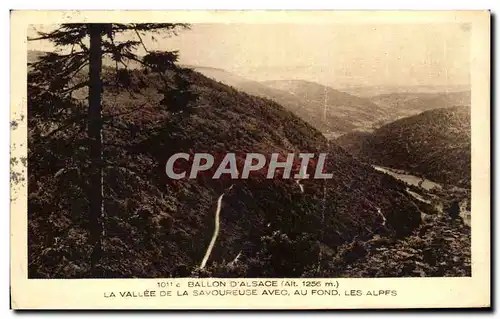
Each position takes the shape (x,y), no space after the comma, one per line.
(95,145)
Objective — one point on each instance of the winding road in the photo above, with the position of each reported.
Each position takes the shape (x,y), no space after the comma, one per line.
(216,229)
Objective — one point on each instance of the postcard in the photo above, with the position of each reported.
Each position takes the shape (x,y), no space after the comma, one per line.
(250,159)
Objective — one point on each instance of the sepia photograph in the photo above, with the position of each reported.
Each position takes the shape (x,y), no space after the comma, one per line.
(239,149)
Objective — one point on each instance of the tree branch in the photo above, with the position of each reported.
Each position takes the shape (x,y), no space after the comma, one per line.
(140,40)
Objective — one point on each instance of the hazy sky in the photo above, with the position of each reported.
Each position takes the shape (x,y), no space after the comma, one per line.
(335,54)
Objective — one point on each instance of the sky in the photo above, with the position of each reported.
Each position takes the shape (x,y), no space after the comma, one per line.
(332,54)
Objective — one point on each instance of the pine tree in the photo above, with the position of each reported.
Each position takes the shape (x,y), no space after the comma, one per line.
(55,77)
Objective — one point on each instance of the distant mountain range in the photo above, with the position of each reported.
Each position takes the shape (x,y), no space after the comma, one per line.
(373,90)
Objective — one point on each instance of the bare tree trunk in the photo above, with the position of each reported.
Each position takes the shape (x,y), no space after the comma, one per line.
(95,145)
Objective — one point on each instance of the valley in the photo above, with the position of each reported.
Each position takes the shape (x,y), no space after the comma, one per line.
(432,193)
(440,246)
(390,208)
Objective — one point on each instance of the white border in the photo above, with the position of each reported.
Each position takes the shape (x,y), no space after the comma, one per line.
(216,4)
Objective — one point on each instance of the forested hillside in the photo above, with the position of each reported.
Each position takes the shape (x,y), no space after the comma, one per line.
(158,227)
(435,144)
